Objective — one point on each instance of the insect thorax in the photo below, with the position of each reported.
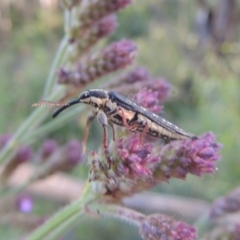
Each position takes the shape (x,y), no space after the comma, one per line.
(110,107)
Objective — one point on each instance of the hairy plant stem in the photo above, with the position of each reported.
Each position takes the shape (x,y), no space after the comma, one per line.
(121,213)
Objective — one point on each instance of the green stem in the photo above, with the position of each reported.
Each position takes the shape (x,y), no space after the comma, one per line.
(203,224)
(67,20)
(40,113)
(121,213)
(16,139)
(37,114)
(64,218)
(69,224)
(56,63)
(52,125)
(60,55)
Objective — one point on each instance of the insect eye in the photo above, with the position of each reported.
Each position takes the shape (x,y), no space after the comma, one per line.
(94,105)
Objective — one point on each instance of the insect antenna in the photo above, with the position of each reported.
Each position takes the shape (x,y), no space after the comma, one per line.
(64,107)
(47,103)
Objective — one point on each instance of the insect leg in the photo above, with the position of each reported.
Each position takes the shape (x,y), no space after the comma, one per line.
(85,136)
(131,128)
(134,127)
(143,134)
(102,119)
(113,130)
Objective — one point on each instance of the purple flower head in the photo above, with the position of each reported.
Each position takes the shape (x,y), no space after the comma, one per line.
(227,228)
(134,157)
(67,76)
(237,231)
(98,9)
(74,154)
(119,54)
(140,82)
(106,26)
(148,99)
(160,227)
(195,156)
(82,42)
(136,75)
(48,147)
(24,154)
(116,56)
(226,204)
(162,87)
(64,158)
(134,167)
(24,203)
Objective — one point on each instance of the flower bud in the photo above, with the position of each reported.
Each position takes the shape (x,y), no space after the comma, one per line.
(116,56)
(161,227)
(82,44)
(96,10)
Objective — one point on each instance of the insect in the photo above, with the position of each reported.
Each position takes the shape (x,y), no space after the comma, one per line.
(111,108)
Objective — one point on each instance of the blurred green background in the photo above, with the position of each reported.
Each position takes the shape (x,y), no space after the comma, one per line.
(205,94)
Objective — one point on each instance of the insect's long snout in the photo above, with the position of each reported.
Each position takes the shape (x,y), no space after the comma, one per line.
(66,106)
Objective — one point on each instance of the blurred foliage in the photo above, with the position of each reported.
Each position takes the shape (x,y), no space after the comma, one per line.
(205,85)
(107,228)
(133,22)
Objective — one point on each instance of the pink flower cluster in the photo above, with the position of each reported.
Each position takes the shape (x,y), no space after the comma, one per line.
(130,167)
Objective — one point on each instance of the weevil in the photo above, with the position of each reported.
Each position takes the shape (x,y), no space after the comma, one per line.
(111,108)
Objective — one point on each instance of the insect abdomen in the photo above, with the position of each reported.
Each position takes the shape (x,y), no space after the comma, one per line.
(172,132)
(168,134)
